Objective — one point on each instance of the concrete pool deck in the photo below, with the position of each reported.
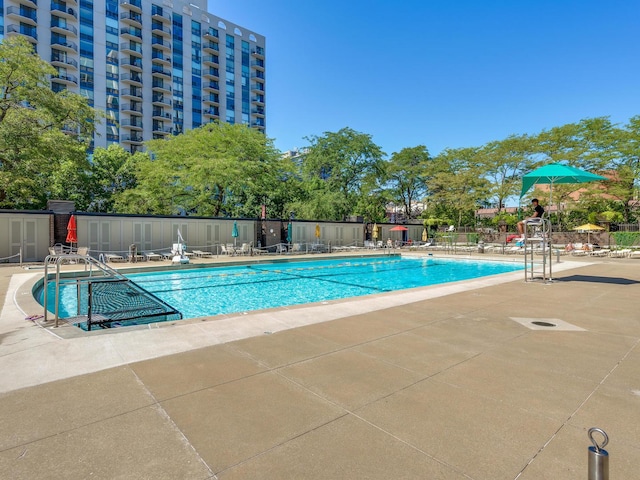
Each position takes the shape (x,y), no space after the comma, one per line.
(446,382)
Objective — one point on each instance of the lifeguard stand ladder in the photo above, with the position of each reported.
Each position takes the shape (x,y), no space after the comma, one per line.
(537,240)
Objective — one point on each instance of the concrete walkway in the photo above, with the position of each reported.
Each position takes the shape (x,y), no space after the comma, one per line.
(449,382)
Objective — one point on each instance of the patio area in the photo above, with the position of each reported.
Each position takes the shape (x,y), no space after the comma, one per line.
(449,382)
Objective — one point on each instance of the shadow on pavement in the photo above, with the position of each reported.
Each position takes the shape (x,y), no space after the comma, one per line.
(597,279)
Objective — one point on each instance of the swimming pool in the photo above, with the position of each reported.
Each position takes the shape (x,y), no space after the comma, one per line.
(203,292)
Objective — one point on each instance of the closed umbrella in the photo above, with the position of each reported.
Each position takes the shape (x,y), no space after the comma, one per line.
(289,232)
(72,231)
(317,231)
(374,234)
(424,235)
(234,233)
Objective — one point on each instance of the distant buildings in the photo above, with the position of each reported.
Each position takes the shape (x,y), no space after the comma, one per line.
(156,67)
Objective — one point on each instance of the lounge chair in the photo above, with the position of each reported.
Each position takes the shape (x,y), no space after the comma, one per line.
(153,257)
(202,254)
(112,257)
(84,251)
(245,249)
(625,252)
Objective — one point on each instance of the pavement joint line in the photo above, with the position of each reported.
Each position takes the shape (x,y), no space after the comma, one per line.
(573,414)
(349,411)
(165,414)
(284,442)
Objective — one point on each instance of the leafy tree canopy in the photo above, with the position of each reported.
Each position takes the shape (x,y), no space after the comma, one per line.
(43,134)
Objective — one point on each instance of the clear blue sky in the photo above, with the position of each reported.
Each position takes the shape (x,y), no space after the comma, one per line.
(442,73)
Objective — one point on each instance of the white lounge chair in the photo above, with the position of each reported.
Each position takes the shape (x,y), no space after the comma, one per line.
(202,254)
(624,252)
(112,257)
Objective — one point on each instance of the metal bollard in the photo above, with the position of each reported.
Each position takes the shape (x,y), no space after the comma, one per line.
(598,457)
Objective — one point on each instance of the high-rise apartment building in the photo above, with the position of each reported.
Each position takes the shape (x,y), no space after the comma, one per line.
(155,67)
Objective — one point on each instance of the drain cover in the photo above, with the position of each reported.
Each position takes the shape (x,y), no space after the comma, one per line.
(544,324)
(549,324)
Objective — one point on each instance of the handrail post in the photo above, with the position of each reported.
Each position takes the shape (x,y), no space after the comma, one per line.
(89,305)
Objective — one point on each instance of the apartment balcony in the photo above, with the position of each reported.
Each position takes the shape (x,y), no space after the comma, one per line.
(133,124)
(67,79)
(161,87)
(159,114)
(21,14)
(131,18)
(65,45)
(28,32)
(159,129)
(258,112)
(131,48)
(133,79)
(160,71)
(258,76)
(131,93)
(131,33)
(257,87)
(211,73)
(69,2)
(133,138)
(258,64)
(211,99)
(29,3)
(257,100)
(160,43)
(135,65)
(131,109)
(211,47)
(211,34)
(258,52)
(211,86)
(159,29)
(211,60)
(258,124)
(64,11)
(58,60)
(63,29)
(212,113)
(159,16)
(161,100)
(161,58)
(133,5)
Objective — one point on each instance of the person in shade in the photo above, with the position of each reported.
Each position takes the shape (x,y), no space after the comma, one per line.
(537,215)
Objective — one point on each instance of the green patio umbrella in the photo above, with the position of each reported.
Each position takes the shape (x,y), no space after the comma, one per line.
(289,232)
(554,173)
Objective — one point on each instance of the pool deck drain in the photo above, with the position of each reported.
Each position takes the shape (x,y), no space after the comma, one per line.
(554,324)
(399,391)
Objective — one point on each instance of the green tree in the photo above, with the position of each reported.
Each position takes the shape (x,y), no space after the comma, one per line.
(504,163)
(338,170)
(406,177)
(457,186)
(112,173)
(625,167)
(212,170)
(43,134)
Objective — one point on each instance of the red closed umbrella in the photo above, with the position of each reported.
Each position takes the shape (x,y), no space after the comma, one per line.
(72,232)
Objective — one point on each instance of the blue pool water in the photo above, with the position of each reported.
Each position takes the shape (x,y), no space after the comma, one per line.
(204,292)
